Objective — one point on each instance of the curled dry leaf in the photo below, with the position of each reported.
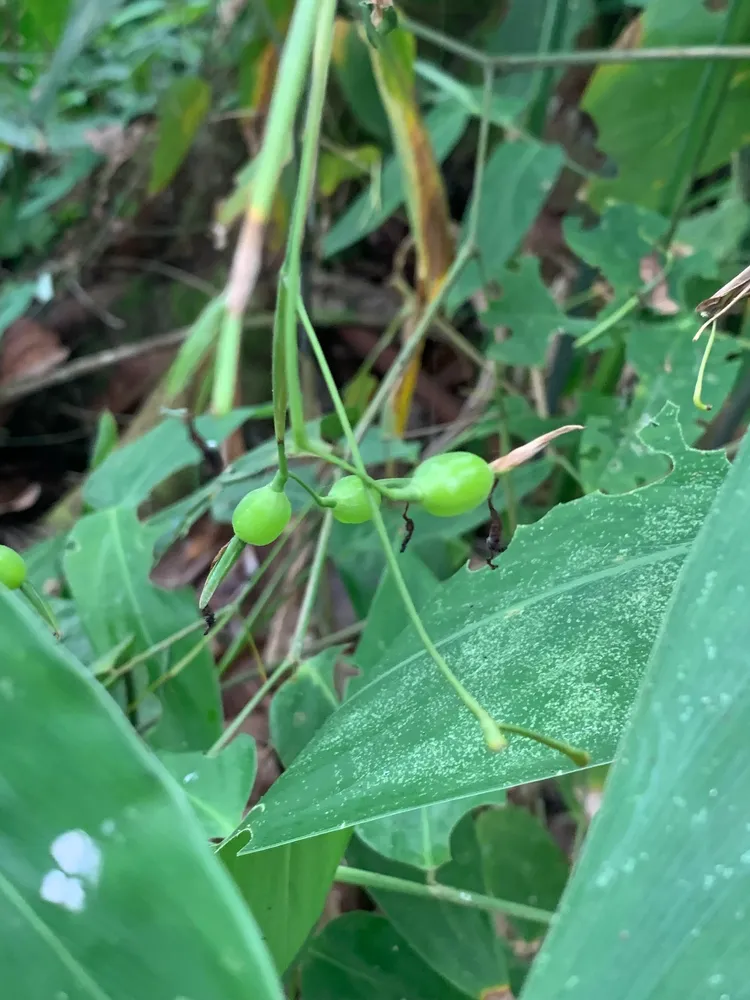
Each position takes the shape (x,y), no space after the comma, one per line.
(17,495)
(27,349)
(526,451)
(724,299)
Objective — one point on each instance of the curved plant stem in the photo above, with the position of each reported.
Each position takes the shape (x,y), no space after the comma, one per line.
(490,729)
(320,501)
(583,57)
(445,893)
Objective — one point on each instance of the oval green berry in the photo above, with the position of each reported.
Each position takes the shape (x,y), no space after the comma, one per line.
(352,505)
(453,483)
(261,516)
(12,568)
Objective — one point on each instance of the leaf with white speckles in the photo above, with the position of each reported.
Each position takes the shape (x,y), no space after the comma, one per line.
(658,902)
(667,361)
(556,639)
(108,890)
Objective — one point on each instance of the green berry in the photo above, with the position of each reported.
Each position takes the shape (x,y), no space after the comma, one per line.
(12,568)
(261,516)
(453,483)
(352,505)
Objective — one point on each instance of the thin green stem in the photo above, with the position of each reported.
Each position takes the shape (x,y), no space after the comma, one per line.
(586,57)
(290,79)
(237,722)
(712,89)
(492,735)
(343,636)
(444,893)
(323,502)
(290,278)
(606,324)
(277,578)
(311,590)
(553,31)
(480,163)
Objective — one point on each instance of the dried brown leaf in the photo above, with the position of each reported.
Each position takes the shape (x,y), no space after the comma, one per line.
(526,451)
(28,348)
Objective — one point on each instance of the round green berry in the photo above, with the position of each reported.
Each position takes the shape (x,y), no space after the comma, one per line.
(12,568)
(453,483)
(352,505)
(261,516)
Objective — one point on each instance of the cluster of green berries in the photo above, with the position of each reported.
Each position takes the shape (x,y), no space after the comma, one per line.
(445,485)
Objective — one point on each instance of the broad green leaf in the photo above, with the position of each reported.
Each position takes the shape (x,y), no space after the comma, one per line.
(517,179)
(302,704)
(360,956)
(657,905)
(129,475)
(421,837)
(623,235)
(666,360)
(351,64)
(459,943)
(107,887)
(555,640)
(181,112)
(642,113)
(286,888)
(107,564)
(521,862)
(531,314)
(718,230)
(218,787)
(105,442)
(445,125)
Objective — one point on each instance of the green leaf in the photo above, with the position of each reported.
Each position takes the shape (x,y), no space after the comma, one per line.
(360,956)
(641,114)
(181,113)
(107,564)
(717,231)
(106,439)
(521,862)
(657,905)
(421,837)
(616,244)
(302,704)
(107,888)
(286,888)
(351,64)
(459,943)
(517,180)
(218,787)
(531,314)
(445,124)
(666,359)
(15,299)
(49,17)
(86,18)
(129,475)
(556,640)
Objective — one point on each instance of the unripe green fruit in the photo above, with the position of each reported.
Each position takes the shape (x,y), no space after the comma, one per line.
(352,505)
(12,568)
(453,483)
(261,516)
